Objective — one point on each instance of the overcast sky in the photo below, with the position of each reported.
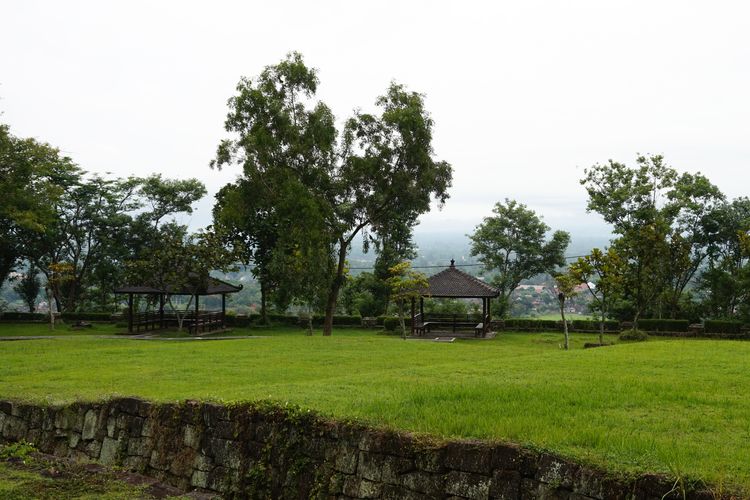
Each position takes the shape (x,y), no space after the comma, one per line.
(524,95)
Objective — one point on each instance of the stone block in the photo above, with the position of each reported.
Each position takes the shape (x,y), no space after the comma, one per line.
(468,457)
(191,436)
(135,463)
(89,425)
(393,492)
(199,479)
(556,471)
(93,449)
(73,439)
(148,428)
(467,485)
(423,482)
(203,463)
(430,460)
(343,458)
(14,429)
(111,426)
(110,451)
(506,485)
(370,466)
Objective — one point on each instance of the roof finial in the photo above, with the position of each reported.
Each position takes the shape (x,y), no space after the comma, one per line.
(453,263)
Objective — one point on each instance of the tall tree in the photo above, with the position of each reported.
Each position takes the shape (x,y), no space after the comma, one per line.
(32,178)
(513,244)
(383,169)
(663,224)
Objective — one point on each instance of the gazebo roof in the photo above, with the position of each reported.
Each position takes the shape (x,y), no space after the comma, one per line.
(214,286)
(451,282)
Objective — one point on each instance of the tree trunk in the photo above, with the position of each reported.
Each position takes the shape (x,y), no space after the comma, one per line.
(565,323)
(601,328)
(263,300)
(401,318)
(333,293)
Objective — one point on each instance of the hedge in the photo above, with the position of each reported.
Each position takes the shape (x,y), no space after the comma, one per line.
(593,326)
(532,324)
(86,316)
(722,326)
(291,320)
(22,316)
(663,325)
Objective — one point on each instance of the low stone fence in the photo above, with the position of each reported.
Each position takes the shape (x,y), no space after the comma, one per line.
(263,451)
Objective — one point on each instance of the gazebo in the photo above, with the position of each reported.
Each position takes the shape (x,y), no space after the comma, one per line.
(197,320)
(455,284)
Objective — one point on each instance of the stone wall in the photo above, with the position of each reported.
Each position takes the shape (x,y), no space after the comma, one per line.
(262,451)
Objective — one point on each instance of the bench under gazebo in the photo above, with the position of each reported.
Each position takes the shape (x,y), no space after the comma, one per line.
(196,320)
(453,283)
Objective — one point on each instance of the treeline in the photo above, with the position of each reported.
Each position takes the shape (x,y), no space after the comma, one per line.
(309,191)
(69,235)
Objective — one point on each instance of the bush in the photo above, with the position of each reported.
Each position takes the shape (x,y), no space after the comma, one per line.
(722,326)
(593,326)
(86,316)
(391,324)
(22,316)
(634,335)
(664,325)
(533,324)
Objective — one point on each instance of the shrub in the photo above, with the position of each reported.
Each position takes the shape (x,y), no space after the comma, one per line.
(593,326)
(532,324)
(722,326)
(86,316)
(664,325)
(391,324)
(22,316)
(635,335)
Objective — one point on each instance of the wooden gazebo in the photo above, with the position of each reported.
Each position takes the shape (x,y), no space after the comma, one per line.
(455,284)
(197,320)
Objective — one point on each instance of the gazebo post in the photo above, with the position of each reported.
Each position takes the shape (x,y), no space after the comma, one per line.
(130,313)
(223,308)
(421,308)
(161,311)
(413,312)
(197,308)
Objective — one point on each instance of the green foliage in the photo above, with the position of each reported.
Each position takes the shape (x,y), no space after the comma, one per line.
(445,306)
(664,325)
(512,243)
(537,325)
(28,287)
(722,326)
(390,324)
(633,335)
(20,450)
(590,326)
(380,176)
(405,285)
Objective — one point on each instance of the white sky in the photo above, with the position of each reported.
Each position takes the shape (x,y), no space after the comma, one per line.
(524,95)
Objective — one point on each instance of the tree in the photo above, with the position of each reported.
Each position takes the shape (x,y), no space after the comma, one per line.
(566,288)
(32,176)
(383,170)
(405,284)
(663,224)
(28,287)
(512,243)
(603,274)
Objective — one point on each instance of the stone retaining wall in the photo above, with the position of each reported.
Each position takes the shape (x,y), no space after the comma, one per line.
(262,451)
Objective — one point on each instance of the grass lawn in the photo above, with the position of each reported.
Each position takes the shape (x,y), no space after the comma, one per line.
(43,329)
(665,405)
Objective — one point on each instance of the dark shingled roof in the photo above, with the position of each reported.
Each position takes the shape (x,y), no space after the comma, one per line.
(451,282)
(214,286)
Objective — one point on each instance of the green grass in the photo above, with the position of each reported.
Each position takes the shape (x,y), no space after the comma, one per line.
(43,329)
(677,406)
(25,476)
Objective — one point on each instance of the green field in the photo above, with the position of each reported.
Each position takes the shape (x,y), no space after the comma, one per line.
(673,406)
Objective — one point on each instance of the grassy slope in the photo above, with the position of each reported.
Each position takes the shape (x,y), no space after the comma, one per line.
(675,406)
